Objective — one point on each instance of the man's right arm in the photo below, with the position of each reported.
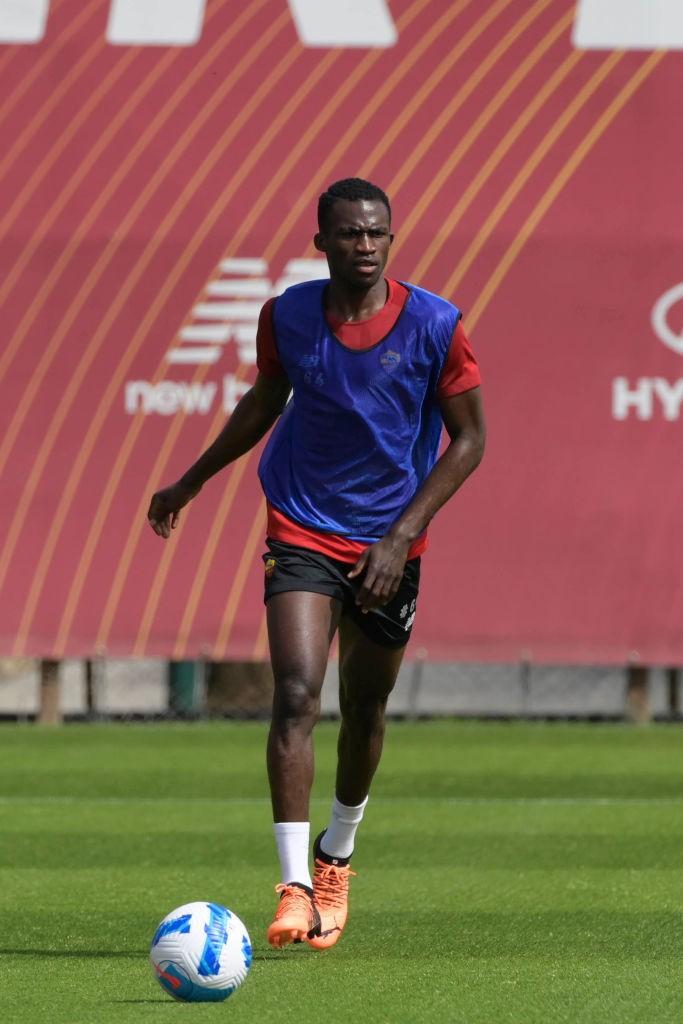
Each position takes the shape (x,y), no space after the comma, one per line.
(253,417)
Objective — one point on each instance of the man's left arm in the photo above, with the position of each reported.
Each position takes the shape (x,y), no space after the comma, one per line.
(384,562)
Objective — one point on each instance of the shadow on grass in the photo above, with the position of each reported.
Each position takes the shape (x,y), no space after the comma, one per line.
(167,1002)
(85,954)
(280,956)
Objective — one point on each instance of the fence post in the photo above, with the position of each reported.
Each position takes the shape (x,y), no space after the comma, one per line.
(672,680)
(637,697)
(94,676)
(49,712)
(525,683)
(182,687)
(416,683)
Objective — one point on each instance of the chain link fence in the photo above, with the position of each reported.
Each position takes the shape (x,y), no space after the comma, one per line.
(155,689)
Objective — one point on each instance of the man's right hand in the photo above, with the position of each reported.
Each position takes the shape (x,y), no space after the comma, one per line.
(165,506)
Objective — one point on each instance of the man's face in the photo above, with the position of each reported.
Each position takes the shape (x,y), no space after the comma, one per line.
(356,241)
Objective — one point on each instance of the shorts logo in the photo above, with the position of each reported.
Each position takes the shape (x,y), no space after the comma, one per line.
(404,611)
(390,360)
(270,567)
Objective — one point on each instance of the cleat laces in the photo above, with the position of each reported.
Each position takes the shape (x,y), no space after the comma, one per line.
(293,898)
(332,885)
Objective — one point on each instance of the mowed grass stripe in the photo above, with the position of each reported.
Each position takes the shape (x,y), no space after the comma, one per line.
(455,801)
(465,910)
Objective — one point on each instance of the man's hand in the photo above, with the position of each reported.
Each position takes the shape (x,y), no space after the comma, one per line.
(165,506)
(383,564)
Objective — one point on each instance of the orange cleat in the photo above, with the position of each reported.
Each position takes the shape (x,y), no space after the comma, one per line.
(331,895)
(296,917)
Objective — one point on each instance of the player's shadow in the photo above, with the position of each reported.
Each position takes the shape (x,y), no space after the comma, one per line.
(279,956)
(162,999)
(85,954)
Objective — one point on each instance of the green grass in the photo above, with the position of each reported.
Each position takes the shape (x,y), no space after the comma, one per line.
(522,873)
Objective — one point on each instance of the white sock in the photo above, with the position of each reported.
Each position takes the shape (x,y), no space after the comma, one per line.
(292,838)
(341,831)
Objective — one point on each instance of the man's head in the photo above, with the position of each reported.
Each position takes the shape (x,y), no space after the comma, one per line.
(354,231)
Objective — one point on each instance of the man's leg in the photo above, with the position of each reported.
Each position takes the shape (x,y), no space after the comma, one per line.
(367,674)
(300,628)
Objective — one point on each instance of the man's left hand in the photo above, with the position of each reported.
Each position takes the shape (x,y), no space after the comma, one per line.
(383,564)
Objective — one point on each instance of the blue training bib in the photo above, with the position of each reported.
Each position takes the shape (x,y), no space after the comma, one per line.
(362,429)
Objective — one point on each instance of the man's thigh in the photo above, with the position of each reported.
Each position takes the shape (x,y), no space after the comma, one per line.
(301,625)
(367,669)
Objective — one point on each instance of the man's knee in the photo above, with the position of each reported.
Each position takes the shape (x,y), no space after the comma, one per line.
(362,710)
(296,701)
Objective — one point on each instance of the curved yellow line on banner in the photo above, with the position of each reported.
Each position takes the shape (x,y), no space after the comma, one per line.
(307,196)
(45,60)
(445,65)
(522,176)
(487,168)
(156,590)
(82,229)
(446,113)
(256,154)
(222,512)
(246,225)
(559,182)
(260,651)
(382,94)
(55,151)
(94,152)
(468,139)
(60,333)
(49,106)
(127,447)
(319,122)
(133,278)
(540,210)
(227,498)
(7,57)
(253,540)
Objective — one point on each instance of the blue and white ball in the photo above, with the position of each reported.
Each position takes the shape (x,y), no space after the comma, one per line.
(200,953)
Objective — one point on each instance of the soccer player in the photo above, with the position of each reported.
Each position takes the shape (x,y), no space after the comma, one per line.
(352,477)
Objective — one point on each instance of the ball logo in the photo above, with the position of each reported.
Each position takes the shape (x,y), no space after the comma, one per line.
(661,322)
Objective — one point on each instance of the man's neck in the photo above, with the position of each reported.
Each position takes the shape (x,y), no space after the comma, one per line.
(347,304)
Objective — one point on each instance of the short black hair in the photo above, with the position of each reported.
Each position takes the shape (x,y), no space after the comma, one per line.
(352,189)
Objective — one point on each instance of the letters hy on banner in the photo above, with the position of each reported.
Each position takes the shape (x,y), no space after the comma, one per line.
(653,397)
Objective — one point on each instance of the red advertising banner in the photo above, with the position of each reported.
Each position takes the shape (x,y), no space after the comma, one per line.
(159,181)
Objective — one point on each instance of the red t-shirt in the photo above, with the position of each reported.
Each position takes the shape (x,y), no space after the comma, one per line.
(460,373)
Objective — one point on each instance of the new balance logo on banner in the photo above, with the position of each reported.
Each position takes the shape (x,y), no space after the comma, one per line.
(227,316)
(231,307)
(179,22)
(629,25)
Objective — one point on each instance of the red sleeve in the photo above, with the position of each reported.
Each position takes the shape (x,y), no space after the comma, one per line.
(460,371)
(267,359)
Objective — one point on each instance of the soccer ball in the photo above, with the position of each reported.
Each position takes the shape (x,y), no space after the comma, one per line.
(201,952)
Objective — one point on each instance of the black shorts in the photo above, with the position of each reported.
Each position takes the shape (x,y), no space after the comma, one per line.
(290,567)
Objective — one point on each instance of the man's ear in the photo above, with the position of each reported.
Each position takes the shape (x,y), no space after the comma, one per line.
(391,239)
(319,242)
